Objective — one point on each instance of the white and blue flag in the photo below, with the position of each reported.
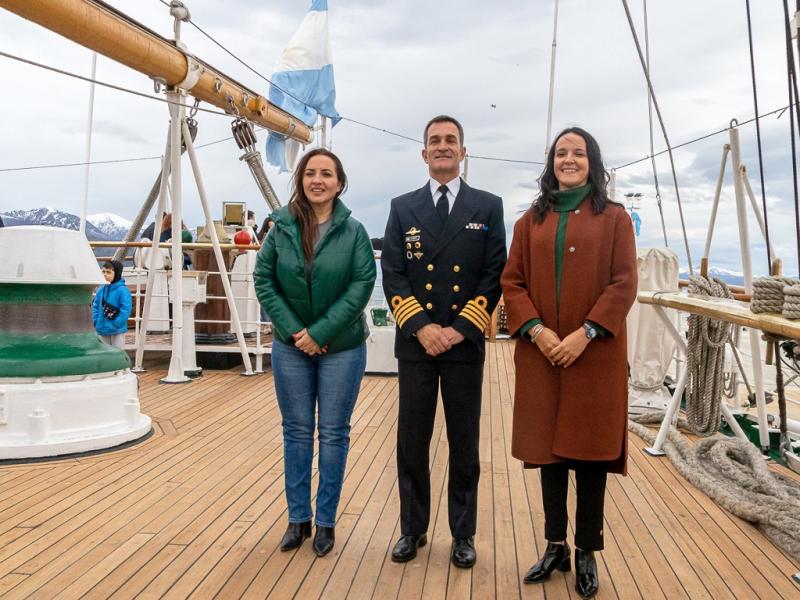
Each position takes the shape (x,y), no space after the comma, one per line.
(302,84)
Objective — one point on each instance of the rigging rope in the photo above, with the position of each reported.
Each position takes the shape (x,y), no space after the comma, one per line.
(758,137)
(791,76)
(663,131)
(650,122)
(706,360)
(733,473)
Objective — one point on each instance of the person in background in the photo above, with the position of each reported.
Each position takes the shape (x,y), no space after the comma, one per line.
(571,392)
(112,306)
(150,230)
(1,222)
(314,275)
(251,223)
(264,230)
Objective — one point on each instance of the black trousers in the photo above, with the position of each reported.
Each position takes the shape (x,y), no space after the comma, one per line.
(590,481)
(461,397)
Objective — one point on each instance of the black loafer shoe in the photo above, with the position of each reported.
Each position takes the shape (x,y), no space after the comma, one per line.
(462,553)
(586,582)
(406,547)
(556,556)
(294,536)
(323,540)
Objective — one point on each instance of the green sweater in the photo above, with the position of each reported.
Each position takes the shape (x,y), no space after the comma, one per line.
(563,203)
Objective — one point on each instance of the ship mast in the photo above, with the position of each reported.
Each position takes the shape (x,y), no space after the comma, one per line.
(100,27)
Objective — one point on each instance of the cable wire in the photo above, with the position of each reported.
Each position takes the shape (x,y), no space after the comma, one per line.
(650,123)
(792,83)
(758,136)
(663,131)
(112,86)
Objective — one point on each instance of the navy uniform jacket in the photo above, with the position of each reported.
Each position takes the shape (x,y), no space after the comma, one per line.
(447,274)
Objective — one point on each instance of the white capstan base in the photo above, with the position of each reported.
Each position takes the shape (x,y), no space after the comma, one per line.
(66,415)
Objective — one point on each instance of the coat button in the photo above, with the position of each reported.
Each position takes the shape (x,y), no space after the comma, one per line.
(429,306)
(456,268)
(454,307)
(456,288)
(430,267)
(572,248)
(428,287)
(577,211)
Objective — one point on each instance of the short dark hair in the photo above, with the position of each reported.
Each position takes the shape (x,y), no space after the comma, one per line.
(108,265)
(443,119)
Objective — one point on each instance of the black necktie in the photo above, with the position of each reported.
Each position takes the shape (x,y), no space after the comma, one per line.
(442,205)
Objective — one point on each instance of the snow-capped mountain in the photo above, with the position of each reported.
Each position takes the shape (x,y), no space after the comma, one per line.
(56,218)
(729,277)
(114,226)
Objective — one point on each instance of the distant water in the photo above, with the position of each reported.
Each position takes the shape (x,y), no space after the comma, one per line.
(377,298)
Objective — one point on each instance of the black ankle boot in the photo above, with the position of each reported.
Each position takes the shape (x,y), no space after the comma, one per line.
(586,582)
(294,536)
(323,540)
(556,556)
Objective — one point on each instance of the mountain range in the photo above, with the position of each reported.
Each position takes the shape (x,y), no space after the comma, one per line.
(99,227)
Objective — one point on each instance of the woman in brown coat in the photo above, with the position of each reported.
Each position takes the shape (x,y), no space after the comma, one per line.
(568,285)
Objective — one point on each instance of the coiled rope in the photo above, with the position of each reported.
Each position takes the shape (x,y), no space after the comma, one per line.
(706,360)
(733,474)
(791,301)
(768,293)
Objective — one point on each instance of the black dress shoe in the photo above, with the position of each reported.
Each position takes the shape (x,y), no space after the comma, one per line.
(323,540)
(586,582)
(294,536)
(556,556)
(406,547)
(462,553)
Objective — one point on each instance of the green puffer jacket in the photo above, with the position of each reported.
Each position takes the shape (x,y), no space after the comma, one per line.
(342,279)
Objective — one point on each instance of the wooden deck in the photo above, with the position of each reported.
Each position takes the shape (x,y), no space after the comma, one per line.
(197,510)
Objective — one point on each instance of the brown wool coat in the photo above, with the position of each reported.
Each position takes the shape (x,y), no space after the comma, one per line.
(580,412)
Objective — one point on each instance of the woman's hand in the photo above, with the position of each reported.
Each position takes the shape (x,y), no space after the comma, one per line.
(546,341)
(303,341)
(568,351)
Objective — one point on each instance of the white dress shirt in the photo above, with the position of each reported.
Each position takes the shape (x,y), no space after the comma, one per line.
(453,187)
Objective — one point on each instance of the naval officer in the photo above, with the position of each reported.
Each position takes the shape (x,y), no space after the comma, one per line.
(443,252)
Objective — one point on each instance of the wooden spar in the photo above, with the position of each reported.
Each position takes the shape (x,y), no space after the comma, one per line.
(96,27)
(725,310)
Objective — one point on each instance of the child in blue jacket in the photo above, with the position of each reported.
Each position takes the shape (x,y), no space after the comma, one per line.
(112,306)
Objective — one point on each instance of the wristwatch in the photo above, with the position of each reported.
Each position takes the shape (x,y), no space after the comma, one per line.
(590,331)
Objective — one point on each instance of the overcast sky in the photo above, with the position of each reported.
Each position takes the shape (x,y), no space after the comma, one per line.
(399,63)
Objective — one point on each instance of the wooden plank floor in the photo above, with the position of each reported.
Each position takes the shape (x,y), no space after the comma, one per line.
(198,510)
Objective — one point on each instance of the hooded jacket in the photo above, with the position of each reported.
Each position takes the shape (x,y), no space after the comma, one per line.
(342,280)
(117,295)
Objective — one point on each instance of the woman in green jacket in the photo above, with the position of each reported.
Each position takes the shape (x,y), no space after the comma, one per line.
(314,276)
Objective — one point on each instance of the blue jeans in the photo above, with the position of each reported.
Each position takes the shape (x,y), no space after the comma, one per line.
(327,384)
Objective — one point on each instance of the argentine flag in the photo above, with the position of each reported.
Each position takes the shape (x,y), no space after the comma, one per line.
(305,72)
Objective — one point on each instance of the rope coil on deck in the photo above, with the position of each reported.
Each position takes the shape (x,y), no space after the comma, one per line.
(791,301)
(733,474)
(706,360)
(768,293)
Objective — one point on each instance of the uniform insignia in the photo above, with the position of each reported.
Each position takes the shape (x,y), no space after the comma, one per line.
(477,226)
(408,254)
(413,231)
(412,238)
(418,255)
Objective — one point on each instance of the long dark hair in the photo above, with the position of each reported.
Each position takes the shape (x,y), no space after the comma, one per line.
(299,204)
(598,176)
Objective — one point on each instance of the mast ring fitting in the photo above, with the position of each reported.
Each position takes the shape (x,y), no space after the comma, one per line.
(734,122)
(218,85)
(245,98)
(193,72)
(158,83)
